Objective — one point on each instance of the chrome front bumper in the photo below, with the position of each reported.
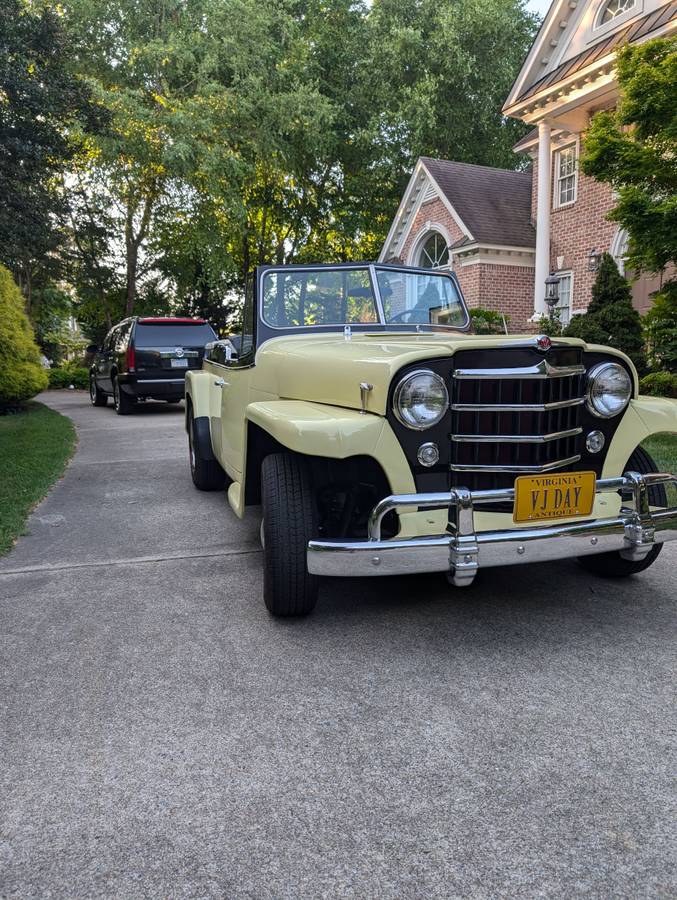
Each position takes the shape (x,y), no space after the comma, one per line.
(462,550)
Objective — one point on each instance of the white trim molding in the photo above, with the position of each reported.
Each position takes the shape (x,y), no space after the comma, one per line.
(423,235)
(493,254)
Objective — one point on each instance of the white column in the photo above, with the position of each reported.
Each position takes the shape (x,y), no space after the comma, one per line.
(542,220)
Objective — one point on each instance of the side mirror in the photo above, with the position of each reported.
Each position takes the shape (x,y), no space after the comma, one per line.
(92,348)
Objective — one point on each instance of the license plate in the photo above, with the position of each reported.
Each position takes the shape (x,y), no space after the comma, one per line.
(539,497)
(178,363)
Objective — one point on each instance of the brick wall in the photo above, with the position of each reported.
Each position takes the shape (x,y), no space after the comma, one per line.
(575,229)
(435,212)
(508,289)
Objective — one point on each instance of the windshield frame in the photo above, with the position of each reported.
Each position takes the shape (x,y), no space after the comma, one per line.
(381,324)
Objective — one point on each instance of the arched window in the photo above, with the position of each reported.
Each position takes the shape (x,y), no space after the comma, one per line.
(613,9)
(434,252)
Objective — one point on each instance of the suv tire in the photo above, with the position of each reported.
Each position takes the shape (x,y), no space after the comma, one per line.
(289,522)
(612,565)
(96,397)
(206,473)
(123,404)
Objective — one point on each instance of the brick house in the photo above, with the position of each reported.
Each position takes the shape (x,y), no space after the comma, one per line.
(504,232)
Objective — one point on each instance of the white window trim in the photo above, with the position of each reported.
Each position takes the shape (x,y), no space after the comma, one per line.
(576,145)
(560,274)
(422,237)
(601,28)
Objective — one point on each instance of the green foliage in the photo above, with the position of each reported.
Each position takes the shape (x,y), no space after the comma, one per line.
(34,447)
(61,377)
(487,321)
(611,318)
(21,374)
(659,384)
(634,149)
(550,324)
(660,328)
(246,132)
(42,104)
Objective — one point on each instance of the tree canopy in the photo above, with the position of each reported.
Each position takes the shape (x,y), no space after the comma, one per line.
(238,132)
(634,149)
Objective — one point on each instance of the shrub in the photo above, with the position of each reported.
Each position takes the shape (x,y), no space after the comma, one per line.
(659,384)
(21,374)
(487,321)
(550,325)
(67,375)
(611,318)
(660,327)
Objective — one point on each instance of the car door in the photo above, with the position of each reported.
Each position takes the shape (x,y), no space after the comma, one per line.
(105,360)
(233,385)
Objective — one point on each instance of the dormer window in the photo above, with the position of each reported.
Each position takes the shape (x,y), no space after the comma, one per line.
(613,9)
(434,252)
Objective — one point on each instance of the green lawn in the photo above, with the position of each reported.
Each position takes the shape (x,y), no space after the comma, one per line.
(663,448)
(34,448)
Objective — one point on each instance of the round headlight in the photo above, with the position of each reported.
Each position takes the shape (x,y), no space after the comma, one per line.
(609,390)
(420,399)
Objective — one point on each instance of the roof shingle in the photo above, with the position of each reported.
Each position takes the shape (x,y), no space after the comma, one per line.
(494,204)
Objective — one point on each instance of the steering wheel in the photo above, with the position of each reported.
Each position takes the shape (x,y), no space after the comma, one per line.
(414,316)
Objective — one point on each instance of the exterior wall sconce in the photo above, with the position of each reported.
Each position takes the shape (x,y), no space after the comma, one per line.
(594,258)
(552,290)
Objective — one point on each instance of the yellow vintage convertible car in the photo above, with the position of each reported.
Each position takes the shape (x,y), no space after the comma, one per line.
(381,437)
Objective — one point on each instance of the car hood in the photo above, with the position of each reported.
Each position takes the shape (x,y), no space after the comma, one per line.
(327,368)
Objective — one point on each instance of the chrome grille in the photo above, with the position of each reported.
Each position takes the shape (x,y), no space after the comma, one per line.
(516,419)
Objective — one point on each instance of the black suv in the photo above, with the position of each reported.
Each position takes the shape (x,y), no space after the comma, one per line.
(147,358)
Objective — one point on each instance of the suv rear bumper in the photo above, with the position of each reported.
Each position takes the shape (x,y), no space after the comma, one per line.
(153,387)
(461,551)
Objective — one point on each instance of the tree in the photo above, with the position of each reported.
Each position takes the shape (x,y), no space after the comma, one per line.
(660,325)
(611,318)
(634,149)
(41,103)
(21,374)
(245,133)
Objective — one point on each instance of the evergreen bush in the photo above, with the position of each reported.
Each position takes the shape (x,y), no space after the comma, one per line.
(21,374)
(611,318)
(659,384)
(487,321)
(660,326)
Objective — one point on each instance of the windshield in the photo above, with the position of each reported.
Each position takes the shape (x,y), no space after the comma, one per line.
(298,298)
(412,298)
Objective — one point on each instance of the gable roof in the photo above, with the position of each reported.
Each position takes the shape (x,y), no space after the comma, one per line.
(634,31)
(494,204)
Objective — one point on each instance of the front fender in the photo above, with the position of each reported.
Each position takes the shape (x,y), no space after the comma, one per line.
(317,429)
(644,416)
(197,392)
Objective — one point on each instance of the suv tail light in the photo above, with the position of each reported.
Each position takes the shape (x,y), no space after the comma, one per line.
(130,359)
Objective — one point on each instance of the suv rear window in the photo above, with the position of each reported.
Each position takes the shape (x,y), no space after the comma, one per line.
(179,334)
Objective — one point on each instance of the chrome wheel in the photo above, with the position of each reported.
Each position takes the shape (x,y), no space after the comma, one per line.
(92,390)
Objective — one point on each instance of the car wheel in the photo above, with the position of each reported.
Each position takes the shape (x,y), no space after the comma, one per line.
(612,565)
(97,397)
(123,404)
(206,473)
(289,522)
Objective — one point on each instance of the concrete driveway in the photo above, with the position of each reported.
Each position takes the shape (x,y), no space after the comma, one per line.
(162,736)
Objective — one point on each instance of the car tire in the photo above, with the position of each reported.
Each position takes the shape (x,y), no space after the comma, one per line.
(96,397)
(123,404)
(289,522)
(206,473)
(612,565)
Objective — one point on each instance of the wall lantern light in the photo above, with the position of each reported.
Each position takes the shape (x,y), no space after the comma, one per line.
(594,257)
(552,290)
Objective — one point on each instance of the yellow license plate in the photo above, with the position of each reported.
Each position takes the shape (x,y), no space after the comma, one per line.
(539,497)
